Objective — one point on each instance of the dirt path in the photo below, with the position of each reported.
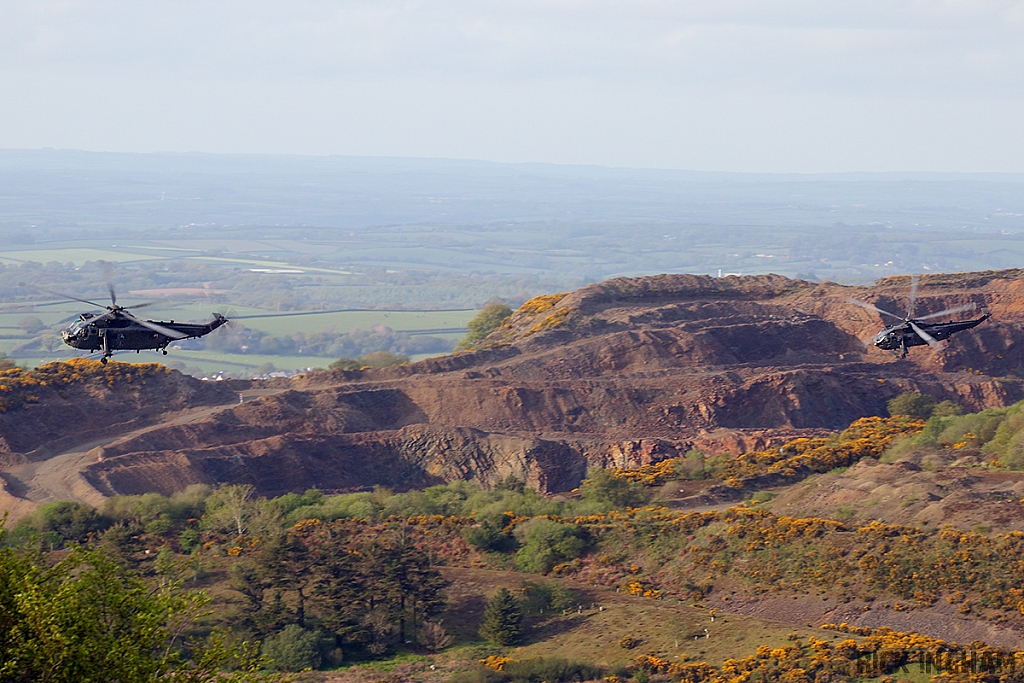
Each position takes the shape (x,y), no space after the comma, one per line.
(24,487)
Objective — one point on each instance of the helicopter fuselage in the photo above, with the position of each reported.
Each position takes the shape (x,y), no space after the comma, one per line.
(118,333)
(903,336)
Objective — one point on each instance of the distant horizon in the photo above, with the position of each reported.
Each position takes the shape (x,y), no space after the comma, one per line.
(825,175)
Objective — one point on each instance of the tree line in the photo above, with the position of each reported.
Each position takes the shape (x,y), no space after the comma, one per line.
(329,343)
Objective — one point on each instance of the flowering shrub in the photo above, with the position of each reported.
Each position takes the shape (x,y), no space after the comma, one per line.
(497,662)
(639,589)
(868,437)
(541,304)
(874,653)
(650,475)
(17,385)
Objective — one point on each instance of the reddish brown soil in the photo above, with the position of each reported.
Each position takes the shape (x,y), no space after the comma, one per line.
(625,372)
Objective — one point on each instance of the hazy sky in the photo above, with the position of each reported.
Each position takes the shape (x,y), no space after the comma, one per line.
(747,85)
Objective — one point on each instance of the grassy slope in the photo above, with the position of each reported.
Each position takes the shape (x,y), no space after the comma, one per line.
(666,627)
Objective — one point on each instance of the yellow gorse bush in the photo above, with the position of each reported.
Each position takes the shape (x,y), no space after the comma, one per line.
(868,437)
(17,385)
(540,304)
(765,551)
(497,662)
(876,653)
(534,310)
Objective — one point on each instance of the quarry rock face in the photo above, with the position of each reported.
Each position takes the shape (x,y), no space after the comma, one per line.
(621,373)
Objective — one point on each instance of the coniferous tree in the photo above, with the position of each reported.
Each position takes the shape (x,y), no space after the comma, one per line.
(503,619)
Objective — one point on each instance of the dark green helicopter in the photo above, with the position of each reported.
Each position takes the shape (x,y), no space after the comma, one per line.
(119,330)
(915,331)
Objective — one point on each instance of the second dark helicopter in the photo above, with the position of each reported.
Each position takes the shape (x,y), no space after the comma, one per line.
(913,331)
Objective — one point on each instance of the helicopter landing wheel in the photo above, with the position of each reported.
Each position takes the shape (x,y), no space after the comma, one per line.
(165,351)
(103,360)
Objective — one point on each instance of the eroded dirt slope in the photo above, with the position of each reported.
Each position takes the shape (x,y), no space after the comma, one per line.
(922,489)
(625,372)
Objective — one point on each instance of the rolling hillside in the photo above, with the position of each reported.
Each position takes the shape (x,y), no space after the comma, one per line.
(622,373)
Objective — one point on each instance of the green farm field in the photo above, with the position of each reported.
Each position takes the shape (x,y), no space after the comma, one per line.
(532,251)
(278,324)
(77,256)
(243,253)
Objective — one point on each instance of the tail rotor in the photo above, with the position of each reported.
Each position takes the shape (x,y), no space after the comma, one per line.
(228,316)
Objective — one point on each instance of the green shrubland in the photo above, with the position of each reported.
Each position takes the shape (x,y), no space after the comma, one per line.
(325,579)
(997,432)
(545,543)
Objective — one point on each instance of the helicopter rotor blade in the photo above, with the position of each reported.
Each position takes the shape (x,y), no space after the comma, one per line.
(62,302)
(876,309)
(913,295)
(66,296)
(166,331)
(932,341)
(108,275)
(948,311)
